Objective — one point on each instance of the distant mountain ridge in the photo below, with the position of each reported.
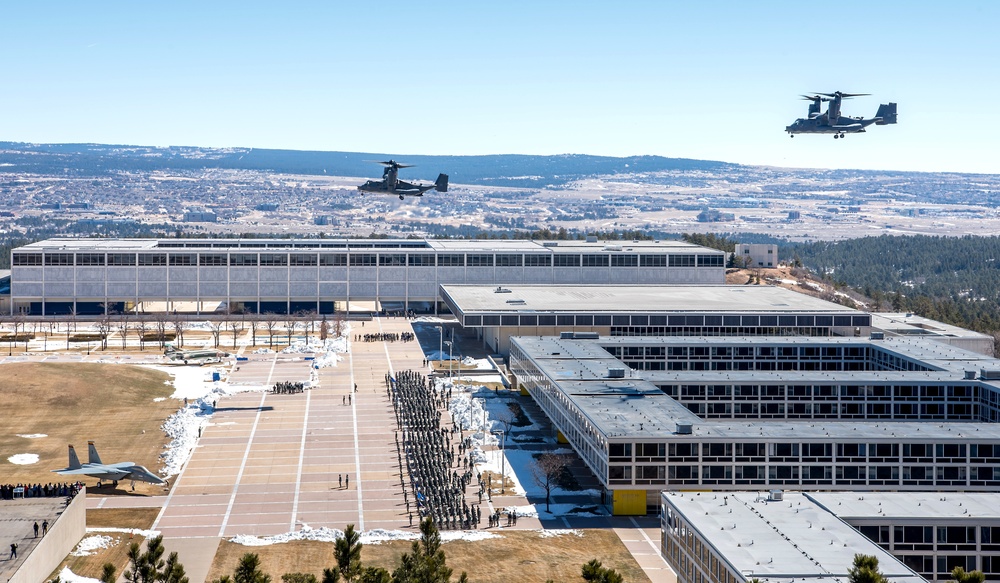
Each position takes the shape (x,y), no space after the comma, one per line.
(517,170)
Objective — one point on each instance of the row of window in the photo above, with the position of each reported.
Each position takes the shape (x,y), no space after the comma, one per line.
(22,259)
(941,451)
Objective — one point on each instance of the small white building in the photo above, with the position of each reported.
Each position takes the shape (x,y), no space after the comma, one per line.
(756,255)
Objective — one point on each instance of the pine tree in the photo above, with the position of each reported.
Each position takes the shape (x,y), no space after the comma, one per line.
(865,570)
(108,573)
(248,571)
(347,553)
(960,575)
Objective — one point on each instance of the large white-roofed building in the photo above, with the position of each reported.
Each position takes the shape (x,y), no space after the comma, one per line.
(89,276)
(653,413)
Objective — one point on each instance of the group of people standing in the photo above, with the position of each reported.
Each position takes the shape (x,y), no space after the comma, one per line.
(288,388)
(438,491)
(386,337)
(7,491)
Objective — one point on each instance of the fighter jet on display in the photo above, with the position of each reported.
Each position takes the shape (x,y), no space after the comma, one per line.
(391,184)
(95,468)
(831,122)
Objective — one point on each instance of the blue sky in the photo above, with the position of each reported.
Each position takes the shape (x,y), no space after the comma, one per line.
(711,79)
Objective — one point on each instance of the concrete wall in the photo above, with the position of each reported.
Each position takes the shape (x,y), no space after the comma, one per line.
(64,534)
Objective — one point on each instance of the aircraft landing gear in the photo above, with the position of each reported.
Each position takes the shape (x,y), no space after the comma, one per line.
(835,136)
(116,483)
(401,197)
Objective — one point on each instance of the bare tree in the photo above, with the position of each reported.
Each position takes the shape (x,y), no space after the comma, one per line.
(254,324)
(21,323)
(104,329)
(310,323)
(160,322)
(142,328)
(237,327)
(547,471)
(270,322)
(51,326)
(123,328)
(291,323)
(506,418)
(216,327)
(324,329)
(178,331)
(338,324)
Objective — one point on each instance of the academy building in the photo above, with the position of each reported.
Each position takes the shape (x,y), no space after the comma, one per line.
(89,276)
(734,413)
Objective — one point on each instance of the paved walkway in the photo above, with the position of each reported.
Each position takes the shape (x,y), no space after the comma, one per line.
(270,464)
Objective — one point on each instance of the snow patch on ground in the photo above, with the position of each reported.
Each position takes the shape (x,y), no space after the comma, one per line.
(554,532)
(23,459)
(32,435)
(67,576)
(133,531)
(88,545)
(368,537)
(159,399)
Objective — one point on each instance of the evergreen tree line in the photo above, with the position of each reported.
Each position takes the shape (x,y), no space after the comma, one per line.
(952,279)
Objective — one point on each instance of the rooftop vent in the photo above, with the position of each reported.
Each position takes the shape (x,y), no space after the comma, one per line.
(612,247)
(616,373)
(516,302)
(501,290)
(990,375)
(550,243)
(566,335)
(776,495)
(970,375)
(684,428)
(586,335)
(591,238)
(877,336)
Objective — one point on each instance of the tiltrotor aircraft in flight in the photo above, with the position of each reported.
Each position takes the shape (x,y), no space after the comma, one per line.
(95,468)
(391,184)
(832,122)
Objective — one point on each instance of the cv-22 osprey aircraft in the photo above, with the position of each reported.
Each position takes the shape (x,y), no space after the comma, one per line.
(831,122)
(391,184)
(95,468)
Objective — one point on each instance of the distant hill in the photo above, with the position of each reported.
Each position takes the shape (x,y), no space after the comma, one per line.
(493,170)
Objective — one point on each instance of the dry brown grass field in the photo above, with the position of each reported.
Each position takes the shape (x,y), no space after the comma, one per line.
(92,565)
(71,403)
(522,556)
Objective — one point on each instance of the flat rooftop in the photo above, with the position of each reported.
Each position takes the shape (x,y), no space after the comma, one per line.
(638,298)
(793,539)
(907,506)
(441,245)
(634,407)
(908,324)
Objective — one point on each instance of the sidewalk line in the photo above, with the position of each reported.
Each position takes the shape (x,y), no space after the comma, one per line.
(246,454)
(357,451)
(302,455)
(656,549)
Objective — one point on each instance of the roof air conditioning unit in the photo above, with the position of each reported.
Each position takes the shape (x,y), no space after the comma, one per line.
(684,428)
(616,373)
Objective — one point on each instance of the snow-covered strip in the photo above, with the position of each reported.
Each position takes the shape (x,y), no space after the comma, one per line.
(561,509)
(32,435)
(67,576)
(554,532)
(133,531)
(368,537)
(23,459)
(182,428)
(89,544)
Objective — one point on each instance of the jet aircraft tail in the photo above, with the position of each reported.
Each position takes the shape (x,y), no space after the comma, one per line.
(441,185)
(74,462)
(886,111)
(92,454)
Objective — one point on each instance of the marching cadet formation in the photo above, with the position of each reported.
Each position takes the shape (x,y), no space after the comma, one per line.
(438,490)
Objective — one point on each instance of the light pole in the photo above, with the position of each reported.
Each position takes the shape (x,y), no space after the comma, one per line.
(503,463)
(440,341)
(450,345)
